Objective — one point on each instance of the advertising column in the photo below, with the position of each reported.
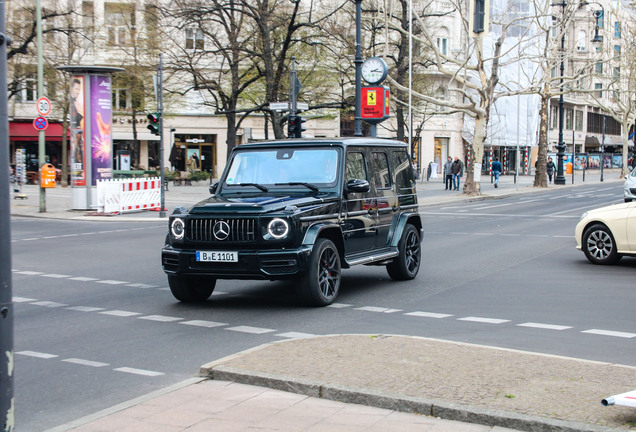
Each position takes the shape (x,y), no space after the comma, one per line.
(91,140)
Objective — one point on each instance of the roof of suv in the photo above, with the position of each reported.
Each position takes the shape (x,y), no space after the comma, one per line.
(347,141)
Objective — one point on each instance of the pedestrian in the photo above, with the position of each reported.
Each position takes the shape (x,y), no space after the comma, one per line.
(428,171)
(448,175)
(550,168)
(457,168)
(496,170)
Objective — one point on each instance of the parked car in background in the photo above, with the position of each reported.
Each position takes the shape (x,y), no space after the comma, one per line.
(630,186)
(302,210)
(607,233)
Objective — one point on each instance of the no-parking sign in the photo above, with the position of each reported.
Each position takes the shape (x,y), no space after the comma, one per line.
(40,123)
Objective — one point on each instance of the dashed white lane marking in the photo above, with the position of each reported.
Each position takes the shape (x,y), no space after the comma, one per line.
(138,371)
(428,314)
(483,320)
(111,282)
(29,273)
(544,326)
(160,318)
(377,309)
(248,329)
(295,335)
(56,276)
(140,285)
(85,308)
(610,333)
(83,279)
(85,362)
(339,305)
(37,354)
(203,323)
(120,313)
(49,304)
(23,299)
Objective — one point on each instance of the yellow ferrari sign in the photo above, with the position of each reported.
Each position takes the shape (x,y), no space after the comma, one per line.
(372,98)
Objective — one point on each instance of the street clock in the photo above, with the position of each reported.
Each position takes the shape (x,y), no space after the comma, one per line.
(374,70)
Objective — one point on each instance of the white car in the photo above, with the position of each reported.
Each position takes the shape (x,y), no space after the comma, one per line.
(607,233)
(630,186)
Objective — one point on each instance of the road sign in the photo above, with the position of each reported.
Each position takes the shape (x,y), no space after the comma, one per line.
(40,123)
(43,106)
(302,106)
(279,106)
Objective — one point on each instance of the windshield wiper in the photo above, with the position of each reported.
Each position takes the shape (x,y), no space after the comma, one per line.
(256,185)
(307,185)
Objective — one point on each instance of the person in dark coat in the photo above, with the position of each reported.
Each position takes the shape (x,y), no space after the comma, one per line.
(496,170)
(550,168)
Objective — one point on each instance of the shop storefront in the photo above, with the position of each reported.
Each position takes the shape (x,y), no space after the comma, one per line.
(194,152)
(22,135)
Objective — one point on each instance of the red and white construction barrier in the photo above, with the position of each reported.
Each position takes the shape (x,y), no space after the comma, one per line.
(128,195)
(625,399)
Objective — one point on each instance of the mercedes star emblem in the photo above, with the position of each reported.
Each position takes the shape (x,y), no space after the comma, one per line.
(221,230)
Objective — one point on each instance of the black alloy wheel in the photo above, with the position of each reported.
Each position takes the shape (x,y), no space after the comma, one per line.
(321,284)
(191,289)
(407,264)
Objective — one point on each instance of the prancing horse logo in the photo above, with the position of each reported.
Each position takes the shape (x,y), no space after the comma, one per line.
(221,230)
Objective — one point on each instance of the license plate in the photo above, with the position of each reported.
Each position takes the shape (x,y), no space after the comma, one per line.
(217,256)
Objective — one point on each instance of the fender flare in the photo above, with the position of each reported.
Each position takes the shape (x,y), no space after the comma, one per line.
(397,228)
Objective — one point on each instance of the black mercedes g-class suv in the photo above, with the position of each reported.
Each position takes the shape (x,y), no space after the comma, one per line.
(302,209)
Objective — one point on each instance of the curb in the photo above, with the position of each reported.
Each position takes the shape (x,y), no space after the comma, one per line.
(216,370)
(440,409)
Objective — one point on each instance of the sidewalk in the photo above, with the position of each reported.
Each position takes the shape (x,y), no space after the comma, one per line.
(370,382)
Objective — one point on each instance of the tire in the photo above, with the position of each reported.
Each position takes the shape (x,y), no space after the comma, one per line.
(599,246)
(407,264)
(627,200)
(321,284)
(191,289)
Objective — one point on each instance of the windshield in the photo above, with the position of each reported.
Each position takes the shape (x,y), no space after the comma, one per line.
(280,167)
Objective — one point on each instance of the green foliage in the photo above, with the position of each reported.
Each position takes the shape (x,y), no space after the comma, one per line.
(199,175)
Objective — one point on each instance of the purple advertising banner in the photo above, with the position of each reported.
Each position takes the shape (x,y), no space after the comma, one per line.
(101,122)
(78,161)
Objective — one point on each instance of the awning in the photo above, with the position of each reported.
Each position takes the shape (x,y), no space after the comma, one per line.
(591,140)
(26,132)
(141,136)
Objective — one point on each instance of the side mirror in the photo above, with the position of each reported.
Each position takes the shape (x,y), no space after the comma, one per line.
(213,187)
(358,185)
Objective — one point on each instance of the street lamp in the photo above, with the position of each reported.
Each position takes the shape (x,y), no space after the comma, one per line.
(598,14)
(560,178)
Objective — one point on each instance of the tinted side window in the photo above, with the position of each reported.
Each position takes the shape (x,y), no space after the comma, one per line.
(380,170)
(403,171)
(356,168)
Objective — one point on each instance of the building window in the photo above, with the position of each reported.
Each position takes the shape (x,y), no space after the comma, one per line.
(120,19)
(617,30)
(617,72)
(194,38)
(27,92)
(599,68)
(579,120)
(442,45)
(617,50)
(442,94)
(120,99)
(599,90)
(569,114)
(581,41)
(554,117)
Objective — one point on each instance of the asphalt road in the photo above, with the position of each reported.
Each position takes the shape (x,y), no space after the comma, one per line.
(96,324)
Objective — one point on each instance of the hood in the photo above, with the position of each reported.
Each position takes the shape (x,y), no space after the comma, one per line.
(611,208)
(258,204)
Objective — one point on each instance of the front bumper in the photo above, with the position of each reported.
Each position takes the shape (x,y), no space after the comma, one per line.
(252,264)
(630,193)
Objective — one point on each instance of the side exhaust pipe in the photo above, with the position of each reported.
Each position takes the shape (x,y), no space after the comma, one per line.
(625,399)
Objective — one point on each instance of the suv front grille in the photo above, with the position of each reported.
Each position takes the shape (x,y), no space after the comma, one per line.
(202,230)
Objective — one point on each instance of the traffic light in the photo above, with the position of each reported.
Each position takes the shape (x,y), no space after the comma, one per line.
(295,127)
(154,125)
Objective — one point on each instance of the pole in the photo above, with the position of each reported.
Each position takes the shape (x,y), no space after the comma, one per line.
(603,148)
(162,210)
(411,80)
(7,404)
(560,178)
(41,133)
(573,156)
(357,122)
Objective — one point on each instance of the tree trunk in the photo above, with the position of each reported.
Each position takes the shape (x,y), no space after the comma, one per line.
(472,185)
(540,176)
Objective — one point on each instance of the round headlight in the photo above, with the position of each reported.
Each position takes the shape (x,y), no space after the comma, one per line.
(177,228)
(278,228)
